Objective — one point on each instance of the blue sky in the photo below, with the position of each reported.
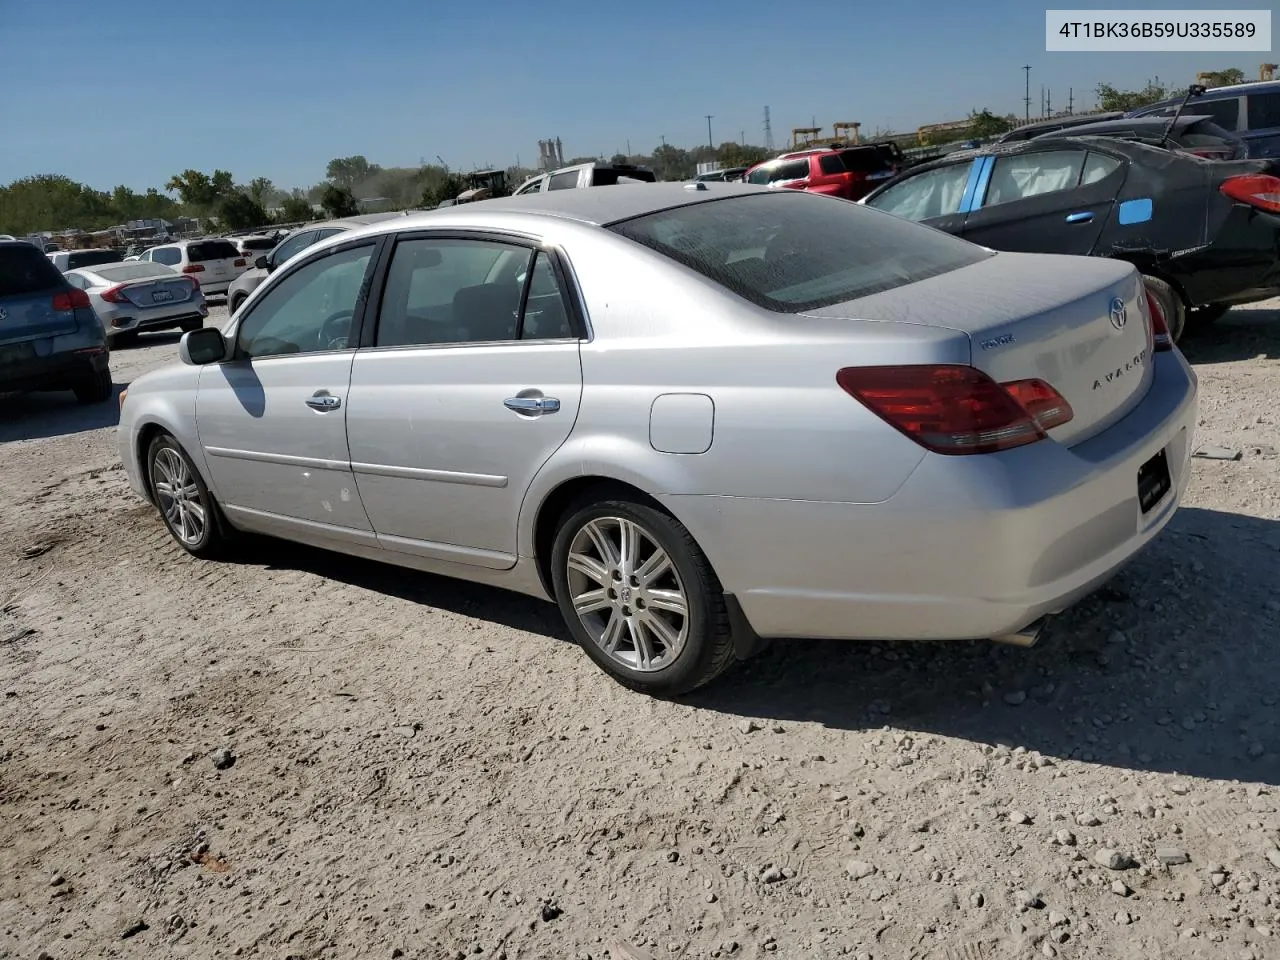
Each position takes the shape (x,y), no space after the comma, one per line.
(123,92)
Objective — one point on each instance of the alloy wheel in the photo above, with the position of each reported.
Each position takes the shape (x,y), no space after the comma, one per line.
(627,593)
(179,496)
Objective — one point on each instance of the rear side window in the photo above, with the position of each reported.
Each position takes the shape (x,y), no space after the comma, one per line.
(1264,111)
(608,177)
(88,258)
(1225,113)
(258,243)
(831,163)
(791,251)
(563,181)
(1098,166)
(212,250)
(24,270)
(1032,174)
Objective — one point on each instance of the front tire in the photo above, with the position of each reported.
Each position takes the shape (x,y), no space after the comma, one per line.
(1175,311)
(95,388)
(640,597)
(188,509)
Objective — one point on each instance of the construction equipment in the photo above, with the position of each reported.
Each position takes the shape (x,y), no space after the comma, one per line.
(1267,71)
(485,185)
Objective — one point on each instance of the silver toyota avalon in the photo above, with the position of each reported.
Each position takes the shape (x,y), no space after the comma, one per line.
(693,415)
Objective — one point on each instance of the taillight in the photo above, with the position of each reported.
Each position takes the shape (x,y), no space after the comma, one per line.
(952,409)
(114,294)
(1259,190)
(193,268)
(72,299)
(241,263)
(1160,339)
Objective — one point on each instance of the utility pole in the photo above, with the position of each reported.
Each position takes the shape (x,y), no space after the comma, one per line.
(1042,101)
(743,136)
(663,138)
(1071,101)
(710,143)
(1027,98)
(768,131)
(628,148)
(1048,102)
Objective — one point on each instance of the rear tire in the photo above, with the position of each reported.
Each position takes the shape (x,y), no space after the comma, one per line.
(652,616)
(188,509)
(1175,311)
(95,388)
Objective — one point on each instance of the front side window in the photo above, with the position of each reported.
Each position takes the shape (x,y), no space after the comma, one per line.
(453,291)
(935,193)
(1032,174)
(294,245)
(311,309)
(792,251)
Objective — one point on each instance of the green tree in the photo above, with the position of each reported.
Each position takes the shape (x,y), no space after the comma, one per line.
(1222,78)
(983,123)
(733,154)
(1110,98)
(261,190)
(339,202)
(447,187)
(295,210)
(239,211)
(349,171)
(200,191)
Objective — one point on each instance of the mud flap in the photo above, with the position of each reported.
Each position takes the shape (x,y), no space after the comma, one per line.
(746,642)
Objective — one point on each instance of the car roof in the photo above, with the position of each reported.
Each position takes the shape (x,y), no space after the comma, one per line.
(1133,149)
(84,250)
(1138,123)
(1215,93)
(1058,123)
(600,206)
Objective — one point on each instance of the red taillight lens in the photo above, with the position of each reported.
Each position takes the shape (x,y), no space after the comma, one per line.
(71,300)
(954,409)
(193,268)
(1256,189)
(114,294)
(241,263)
(1160,339)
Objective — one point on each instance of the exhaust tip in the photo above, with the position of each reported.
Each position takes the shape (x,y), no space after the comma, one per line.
(1026,637)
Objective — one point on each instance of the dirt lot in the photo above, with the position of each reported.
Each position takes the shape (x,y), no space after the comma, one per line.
(421,768)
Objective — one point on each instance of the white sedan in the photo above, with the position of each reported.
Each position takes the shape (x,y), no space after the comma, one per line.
(132,297)
(693,415)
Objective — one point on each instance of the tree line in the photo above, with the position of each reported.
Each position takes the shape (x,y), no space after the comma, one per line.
(55,202)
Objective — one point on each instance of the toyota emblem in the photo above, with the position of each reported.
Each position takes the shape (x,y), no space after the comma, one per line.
(1119,316)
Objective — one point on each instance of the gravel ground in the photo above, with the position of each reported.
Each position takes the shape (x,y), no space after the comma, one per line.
(301,755)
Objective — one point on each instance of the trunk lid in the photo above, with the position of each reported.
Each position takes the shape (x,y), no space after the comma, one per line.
(28,284)
(159,292)
(1078,323)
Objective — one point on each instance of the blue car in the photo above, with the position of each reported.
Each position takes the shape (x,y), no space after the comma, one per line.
(50,337)
(1249,110)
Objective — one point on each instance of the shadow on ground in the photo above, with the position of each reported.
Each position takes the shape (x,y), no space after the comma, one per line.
(1171,667)
(34,416)
(1243,334)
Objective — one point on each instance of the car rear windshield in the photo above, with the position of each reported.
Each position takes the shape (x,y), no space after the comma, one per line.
(134,270)
(87,258)
(212,250)
(609,176)
(793,251)
(25,270)
(258,243)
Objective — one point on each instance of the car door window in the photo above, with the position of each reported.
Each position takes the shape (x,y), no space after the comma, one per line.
(563,181)
(936,193)
(545,316)
(292,246)
(1098,166)
(170,256)
(1033,174)
(1264,111)
(310,309)
(453,291)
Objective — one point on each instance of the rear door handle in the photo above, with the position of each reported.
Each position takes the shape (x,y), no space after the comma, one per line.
(323,401)
(1084,217)
(532,406)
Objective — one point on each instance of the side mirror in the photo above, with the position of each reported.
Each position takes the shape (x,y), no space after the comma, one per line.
(261,263)
(201,347)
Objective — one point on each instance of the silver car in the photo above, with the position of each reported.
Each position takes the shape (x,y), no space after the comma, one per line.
(693,415)
(135,297)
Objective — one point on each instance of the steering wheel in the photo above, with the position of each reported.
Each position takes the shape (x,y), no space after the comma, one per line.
(335,331)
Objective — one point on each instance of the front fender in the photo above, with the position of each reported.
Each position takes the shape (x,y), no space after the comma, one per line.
(159,404)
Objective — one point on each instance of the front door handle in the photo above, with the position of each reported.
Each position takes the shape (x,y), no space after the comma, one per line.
(532,406)
(1084,217)
(323,401)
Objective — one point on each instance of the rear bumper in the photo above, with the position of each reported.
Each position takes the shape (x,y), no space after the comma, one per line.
(127,319)
(968,548)
(1240,265)
(57,371)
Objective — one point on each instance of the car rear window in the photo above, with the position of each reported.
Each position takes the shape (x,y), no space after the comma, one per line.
(134,270)
(792,251)
(609,176)
(866,160)
(258,243)
(24,270)
(212,250)
(87,258)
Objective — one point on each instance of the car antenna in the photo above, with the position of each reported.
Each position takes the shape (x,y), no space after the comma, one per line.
(1195,90)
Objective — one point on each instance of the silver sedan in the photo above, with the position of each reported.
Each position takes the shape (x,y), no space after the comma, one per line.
(694,416)
(132,297)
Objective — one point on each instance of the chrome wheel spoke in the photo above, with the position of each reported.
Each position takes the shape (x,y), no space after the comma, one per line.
(589,567)
(640,641)
(603,545)
(592,601)
(179,496)
(669,638)
(612,635)
(670,601)
(655,566)
(629,540)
